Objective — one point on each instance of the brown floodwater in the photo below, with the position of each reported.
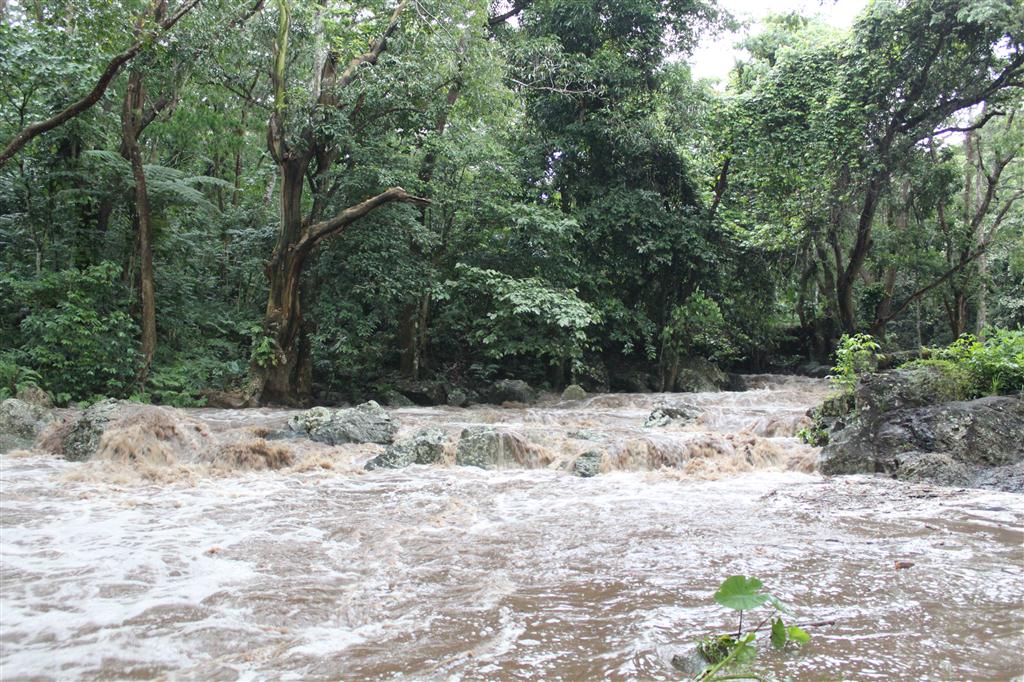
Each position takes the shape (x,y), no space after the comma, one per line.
(322,571)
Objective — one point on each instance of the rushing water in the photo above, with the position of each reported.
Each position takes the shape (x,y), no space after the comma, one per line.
(324,571)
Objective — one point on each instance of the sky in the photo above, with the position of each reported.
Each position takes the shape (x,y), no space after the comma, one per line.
(715,55)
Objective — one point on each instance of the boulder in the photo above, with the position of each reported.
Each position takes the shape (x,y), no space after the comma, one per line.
(483,447)
(665,414)
(20,423)
(82,437)
(366,423)
(574,392)
(632,381)
(814,370)
(588,464)
(33,395)
(396,399)
(952,443)
(735,383)
(698,375)
(459,397)
(423,392)
(423,447)
(510,391)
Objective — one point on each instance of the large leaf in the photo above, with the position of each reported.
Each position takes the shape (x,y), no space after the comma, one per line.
(798,635)
(741,593)
(778,633)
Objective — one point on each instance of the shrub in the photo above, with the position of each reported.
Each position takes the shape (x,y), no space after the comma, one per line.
(77,333)
(855,355)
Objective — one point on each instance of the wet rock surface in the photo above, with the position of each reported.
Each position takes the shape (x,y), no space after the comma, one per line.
(574,392)
(588,464)
(488,448)
(366,423)
(21,422)
(510,391)
(424,447)
(666,414)
(903,432)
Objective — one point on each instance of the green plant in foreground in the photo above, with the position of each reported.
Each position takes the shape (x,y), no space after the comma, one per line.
(728,654)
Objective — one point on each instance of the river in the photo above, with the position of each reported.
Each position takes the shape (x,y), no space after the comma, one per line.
(323,571)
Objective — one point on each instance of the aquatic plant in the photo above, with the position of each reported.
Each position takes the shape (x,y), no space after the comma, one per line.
(728,655)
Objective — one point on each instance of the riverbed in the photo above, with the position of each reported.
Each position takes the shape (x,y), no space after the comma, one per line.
(324,571)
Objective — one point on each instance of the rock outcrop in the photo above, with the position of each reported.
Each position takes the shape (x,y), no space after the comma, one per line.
(907,427)
(366,423)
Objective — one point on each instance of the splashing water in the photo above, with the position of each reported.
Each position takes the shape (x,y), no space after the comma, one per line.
(228,556)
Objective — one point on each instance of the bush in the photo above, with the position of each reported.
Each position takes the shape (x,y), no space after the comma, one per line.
(77,333)
(976,368)
(855,355)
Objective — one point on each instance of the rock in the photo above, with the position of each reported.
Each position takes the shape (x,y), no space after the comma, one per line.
(814,370)
(510,391)
(20,423)
(588,464)
(585,434)
(833,415)
(574,392)
(396,399)
(483,447)
(33,395)
(932,467)
(632,381)
(423,392)
(366,423)
(458,397)
(906,387)
(81,440)
(665,414)
(698,375)
(952,443)
(736,383)
(424,447)
(234,400)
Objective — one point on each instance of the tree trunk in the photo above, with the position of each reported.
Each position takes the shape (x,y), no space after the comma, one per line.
(130,127)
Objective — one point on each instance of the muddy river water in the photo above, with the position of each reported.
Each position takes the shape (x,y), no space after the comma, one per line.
(324,571)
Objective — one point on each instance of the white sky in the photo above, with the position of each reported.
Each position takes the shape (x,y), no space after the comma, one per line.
(715,56)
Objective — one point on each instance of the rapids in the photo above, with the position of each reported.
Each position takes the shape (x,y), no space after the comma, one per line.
(129,569)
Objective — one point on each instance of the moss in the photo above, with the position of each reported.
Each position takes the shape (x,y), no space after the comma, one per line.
(952,382)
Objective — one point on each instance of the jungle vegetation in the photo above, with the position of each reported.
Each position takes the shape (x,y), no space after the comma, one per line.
(297,198)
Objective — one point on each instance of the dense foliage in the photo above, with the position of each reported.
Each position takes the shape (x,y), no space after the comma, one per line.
(291,198)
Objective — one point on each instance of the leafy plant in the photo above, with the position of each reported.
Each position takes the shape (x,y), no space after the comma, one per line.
(728,654)
(855,355)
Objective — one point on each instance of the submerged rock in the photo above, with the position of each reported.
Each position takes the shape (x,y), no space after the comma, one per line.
(484,447)
(588,464)
(366,423)
(665,414)
(21,423)
(510,391)
(574,392)
(424,447)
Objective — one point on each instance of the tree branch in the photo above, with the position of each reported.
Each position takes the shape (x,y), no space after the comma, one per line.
(114,67)
(338,223)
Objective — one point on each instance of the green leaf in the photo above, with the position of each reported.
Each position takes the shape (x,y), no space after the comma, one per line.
(741,593)
(798,635)
(778,633)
